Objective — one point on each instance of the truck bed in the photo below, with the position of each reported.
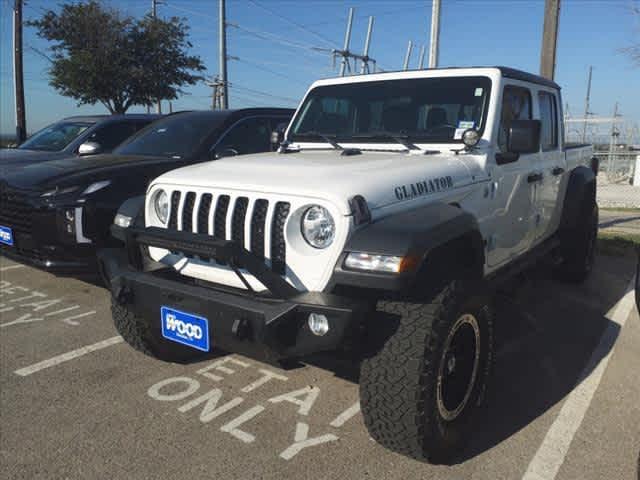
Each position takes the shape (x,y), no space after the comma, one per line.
(577,154)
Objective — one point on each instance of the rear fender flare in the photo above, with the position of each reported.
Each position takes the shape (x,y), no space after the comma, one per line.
(581,188)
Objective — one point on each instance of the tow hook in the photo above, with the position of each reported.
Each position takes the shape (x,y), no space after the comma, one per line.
(121,293)
(241,328)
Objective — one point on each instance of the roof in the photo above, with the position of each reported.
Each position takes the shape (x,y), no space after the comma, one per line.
(239,111)
(504,71)
(100,118)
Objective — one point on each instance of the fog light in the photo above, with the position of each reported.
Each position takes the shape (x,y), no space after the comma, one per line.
(69,215)
(318,324)
(374,263)
(123,221)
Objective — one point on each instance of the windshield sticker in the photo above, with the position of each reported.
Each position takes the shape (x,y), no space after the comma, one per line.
(457,135)
(478,92)
(425,187)
(466,124)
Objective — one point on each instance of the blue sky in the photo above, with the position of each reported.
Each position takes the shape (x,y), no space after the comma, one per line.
(274,47)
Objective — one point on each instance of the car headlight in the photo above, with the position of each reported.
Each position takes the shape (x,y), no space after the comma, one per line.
(161,205)
(318,227)
(60,191)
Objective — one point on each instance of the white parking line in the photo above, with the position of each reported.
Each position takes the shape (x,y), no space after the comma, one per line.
(71,321)
(65,357)
(10,267)
(550,456)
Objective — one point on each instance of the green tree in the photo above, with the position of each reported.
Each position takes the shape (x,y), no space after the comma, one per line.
(100,56)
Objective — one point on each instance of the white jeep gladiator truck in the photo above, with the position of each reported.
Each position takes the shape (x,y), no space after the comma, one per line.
(395,206)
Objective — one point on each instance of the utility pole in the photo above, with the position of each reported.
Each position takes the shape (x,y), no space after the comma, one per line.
(218,93)
(407,56)
(367,44)
(421,57)
(586,106)
(613,140)
(549,38)
(347,55)
(434,45)
(154,14)
(18,78)
(222,29)
(347,40)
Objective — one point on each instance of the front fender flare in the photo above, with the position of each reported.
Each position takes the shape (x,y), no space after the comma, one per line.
(444,239)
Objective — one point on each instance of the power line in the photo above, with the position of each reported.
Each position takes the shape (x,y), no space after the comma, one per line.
(192,12)
(258,92)
(272,38)
(294,23)
(268,70)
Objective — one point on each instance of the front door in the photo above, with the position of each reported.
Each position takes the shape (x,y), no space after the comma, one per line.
(513,189)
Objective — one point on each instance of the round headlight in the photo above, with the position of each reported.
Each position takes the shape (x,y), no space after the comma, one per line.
(161,205)
(318,227)
(470,137)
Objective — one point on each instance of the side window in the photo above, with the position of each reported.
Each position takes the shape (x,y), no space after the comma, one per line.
(516,105)
(113,134)
(548,120)
(252,135)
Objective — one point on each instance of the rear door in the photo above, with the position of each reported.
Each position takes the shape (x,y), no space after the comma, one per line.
(513,189)
(553,164)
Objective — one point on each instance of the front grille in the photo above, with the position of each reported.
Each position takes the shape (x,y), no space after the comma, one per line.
(215,213)
(278,245)
(15,211)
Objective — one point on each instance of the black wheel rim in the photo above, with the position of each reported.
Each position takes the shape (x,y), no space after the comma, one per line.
(458,368)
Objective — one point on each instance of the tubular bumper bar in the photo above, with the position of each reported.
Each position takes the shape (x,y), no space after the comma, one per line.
(202,245)
(266,327)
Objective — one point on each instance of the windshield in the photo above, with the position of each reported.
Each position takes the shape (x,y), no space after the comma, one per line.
(55,137)
(430,110)
(177,136)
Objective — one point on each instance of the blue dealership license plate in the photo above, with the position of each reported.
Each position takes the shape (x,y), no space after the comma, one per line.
(185,328)
(6,235)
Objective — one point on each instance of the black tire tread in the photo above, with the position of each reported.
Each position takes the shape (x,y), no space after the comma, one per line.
(139,335)
(394,381)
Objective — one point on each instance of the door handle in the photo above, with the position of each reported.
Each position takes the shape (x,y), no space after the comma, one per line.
(557,171)
(534,177)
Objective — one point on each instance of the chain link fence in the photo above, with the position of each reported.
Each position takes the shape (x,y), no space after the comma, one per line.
(619,179)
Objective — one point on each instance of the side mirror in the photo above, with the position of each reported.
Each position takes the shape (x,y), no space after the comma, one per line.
(89,148)
(524,136)
(277,136)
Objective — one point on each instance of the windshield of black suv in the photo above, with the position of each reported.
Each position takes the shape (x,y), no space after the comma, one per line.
(428,110)
(56,137)
(176,136)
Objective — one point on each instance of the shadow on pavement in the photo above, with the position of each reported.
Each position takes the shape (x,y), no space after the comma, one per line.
(545,334)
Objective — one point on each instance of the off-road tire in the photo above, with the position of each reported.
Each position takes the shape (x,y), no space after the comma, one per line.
(137,333)
(579,246)
(399,379)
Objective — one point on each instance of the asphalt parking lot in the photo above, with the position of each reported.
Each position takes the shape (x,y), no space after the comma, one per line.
(77,403)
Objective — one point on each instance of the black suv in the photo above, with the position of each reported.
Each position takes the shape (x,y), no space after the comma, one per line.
(86,135)
(54,215)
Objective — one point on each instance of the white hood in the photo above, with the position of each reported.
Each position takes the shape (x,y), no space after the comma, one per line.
(382,178)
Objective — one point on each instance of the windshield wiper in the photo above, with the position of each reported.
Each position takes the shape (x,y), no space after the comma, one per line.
(330,139)
(401,139)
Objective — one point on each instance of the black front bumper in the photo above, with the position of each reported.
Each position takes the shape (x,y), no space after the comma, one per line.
(268,326)
(38,232)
